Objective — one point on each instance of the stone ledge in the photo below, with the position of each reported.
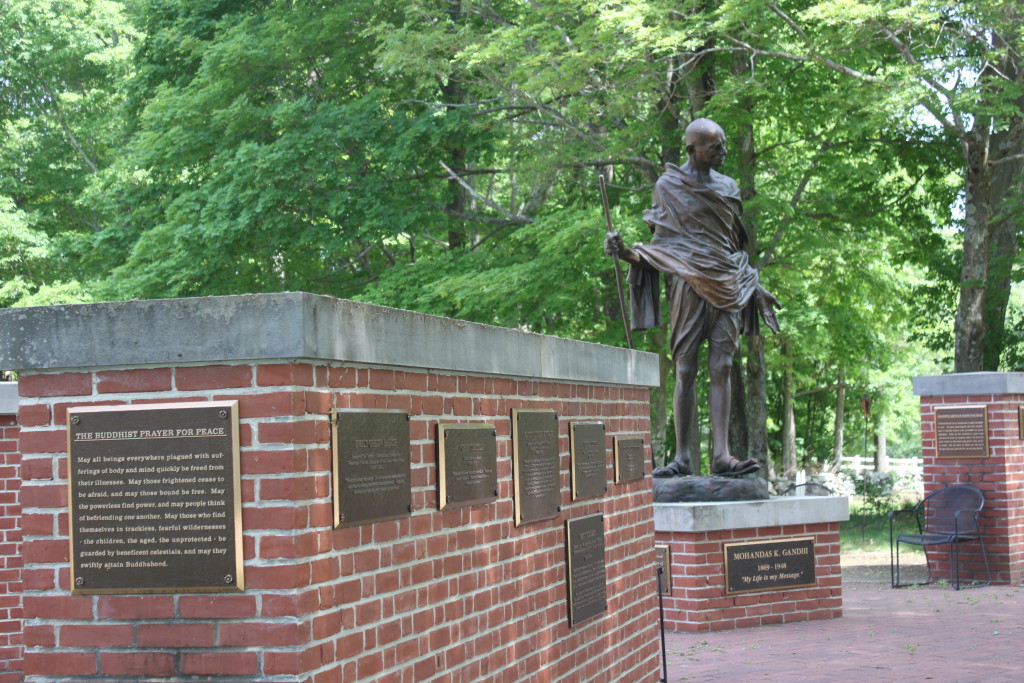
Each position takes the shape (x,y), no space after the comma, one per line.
(970,383)
(301,326)
(8,398)
(701,517)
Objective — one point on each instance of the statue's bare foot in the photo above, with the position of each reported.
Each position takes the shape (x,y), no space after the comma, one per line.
(676,468)
(728,466)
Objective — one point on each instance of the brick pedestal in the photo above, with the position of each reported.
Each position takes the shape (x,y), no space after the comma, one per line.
(696,533)
(10,537)
(457,595)
(1000,475)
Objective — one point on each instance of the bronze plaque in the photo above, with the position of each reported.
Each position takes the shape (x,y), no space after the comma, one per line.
(589,459)
(535,467)
(155,502)
(467,467)
(586,575)
(372,466)
(664,568)
(769,565)
(961,431)
(629,458)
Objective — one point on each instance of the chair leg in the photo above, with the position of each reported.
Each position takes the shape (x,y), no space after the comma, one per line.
(954,550)
(984,556)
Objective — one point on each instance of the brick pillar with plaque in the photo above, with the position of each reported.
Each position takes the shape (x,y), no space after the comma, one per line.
(972,432)
(290,487)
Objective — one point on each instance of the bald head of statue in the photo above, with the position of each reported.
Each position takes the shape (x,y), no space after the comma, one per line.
(705,145)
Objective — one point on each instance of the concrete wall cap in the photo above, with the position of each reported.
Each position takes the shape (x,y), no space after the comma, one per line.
(970,383)
(748,514)
(299,326)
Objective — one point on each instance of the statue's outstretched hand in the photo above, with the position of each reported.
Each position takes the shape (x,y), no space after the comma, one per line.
(766,304)
(613,244)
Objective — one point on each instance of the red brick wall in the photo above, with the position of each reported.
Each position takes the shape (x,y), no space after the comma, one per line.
(1000,477)
(699,603)
(10,552)
(456,595)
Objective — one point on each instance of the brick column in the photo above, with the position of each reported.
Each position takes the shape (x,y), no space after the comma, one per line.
(10,537)
(1000,475)
(461,593)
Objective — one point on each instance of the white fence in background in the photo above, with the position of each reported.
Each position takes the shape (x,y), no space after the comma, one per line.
(902,467)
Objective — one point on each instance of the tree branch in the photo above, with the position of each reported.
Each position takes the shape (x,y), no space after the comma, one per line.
(519,219)
(956,126)
(1006,160)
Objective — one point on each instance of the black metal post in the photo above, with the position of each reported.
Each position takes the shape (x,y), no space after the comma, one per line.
(661,616)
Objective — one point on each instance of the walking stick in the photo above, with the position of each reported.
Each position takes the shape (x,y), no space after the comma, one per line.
(615,262)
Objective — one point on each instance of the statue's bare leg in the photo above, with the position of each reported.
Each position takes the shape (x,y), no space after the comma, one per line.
(720,395)
(684,406)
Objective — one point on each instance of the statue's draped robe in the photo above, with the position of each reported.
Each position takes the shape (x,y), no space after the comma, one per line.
(699,237)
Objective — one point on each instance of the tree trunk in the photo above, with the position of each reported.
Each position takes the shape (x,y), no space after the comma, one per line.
(452,92)
(969,339)
(696,444)
(881,456)
(812,414)
(788,419)
(757,406)
(756,380)
(837,435)
(660,398)
(1007,182)
(990,244)
(737,416)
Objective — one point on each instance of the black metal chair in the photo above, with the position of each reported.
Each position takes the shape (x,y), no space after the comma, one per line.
(810,489)
(947,517)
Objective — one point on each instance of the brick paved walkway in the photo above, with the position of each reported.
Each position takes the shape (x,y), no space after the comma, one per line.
(930,633)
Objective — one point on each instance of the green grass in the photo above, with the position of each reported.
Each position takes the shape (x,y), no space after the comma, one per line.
(869,532)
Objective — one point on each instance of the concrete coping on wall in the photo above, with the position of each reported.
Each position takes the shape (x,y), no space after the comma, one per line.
(970,383)
(8,398)
(748,514)
(299,326)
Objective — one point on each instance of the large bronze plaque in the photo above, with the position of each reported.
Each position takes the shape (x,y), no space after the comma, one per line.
(586,575)
(467,468)
(769,565)
(961,431)
(372,477)
(535,467)
(155,502)
(664,554)
(589,460)
(629,458)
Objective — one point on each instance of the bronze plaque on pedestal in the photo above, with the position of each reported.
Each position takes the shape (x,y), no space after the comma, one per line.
(154,496)
(769,565)
(372,465)
(589,459)
(664,568)
(586,575)
(629,458)
(961,431)
(535,467)
(467,468)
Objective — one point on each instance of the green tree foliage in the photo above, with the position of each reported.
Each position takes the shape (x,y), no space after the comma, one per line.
(956,66)
(443,155)
(60,68)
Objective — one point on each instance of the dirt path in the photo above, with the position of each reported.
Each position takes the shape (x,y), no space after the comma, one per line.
(872,566)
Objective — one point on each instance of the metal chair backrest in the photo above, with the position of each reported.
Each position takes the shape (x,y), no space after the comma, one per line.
(940,509)
(810,489)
